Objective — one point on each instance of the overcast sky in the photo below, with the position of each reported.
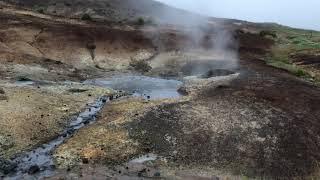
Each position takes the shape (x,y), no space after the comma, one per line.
(296,13)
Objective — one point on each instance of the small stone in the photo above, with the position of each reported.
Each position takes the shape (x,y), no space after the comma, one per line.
(157,174)
(2,91)
(33,169)
(85,161)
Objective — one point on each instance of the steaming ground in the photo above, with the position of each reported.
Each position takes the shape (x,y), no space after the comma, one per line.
(235,117)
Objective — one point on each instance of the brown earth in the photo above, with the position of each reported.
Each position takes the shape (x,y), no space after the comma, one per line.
(33,115)
(264,123)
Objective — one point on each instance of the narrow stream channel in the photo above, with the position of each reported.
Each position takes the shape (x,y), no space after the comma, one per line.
(39,163)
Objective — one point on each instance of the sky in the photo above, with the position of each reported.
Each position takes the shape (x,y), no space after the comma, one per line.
(295,13)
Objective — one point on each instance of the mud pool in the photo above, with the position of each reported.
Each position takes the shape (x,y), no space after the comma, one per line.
(141,86)
(39,162)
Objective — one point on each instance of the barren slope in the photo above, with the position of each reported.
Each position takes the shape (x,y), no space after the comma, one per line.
(260,121)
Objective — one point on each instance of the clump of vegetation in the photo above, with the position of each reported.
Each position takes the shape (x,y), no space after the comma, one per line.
(288,43)
(144,21)
(266,33)
(303,42)
(289,67)
(39,9)
(140,21)
(91,47)
(2,91)
(140,65)
(86,17)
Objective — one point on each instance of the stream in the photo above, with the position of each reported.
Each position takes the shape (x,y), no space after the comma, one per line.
(39,163)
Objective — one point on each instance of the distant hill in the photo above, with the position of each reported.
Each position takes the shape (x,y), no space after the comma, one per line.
(111,10)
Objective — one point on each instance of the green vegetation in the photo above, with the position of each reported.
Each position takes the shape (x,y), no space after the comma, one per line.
(86,17)
(289,67)
(140,21)
(140,65)
(290,42)
(144,21)
(39,9)
(265,33)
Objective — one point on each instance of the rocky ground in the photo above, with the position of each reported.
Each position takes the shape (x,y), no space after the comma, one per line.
(252,126)
(249,112)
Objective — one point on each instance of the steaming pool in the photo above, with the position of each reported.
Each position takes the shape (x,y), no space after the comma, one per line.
(141,86)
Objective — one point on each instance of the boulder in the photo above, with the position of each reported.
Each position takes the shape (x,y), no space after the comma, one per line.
(33,169)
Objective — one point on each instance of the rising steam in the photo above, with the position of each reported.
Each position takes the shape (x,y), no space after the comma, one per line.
(210,38)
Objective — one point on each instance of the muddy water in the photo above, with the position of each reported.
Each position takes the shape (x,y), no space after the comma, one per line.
(39,161)
(141,86)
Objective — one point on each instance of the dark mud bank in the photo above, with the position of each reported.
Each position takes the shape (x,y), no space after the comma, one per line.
(39,162)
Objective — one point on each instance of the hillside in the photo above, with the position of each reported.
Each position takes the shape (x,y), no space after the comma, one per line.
(96,89)
(126,11)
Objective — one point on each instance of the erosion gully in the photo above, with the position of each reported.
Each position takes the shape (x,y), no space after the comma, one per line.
(39,162)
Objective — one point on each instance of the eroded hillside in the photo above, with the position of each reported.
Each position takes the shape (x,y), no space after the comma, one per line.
(247,105)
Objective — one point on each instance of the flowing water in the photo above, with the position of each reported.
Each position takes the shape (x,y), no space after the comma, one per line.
(40,159)
(39,162)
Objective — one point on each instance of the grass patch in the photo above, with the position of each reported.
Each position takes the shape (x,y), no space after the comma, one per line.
(293,69)
(303,42)
(289,42)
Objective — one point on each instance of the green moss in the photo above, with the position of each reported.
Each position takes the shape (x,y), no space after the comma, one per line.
(86,17)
